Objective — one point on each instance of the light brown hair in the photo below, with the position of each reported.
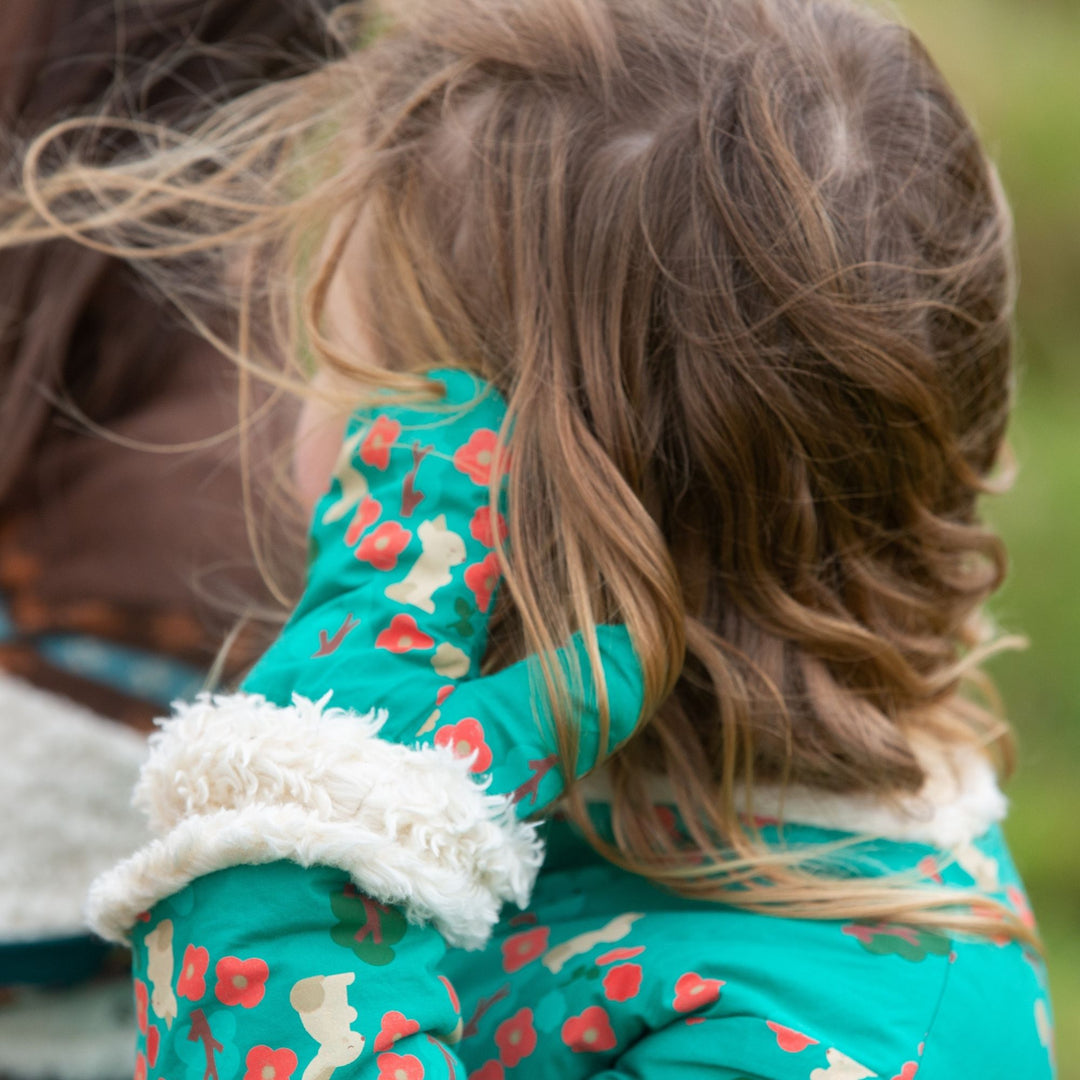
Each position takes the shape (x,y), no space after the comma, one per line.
(743,272)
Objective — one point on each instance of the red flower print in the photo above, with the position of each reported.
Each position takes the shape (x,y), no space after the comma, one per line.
(443,694)
(590,1032)
(400,1067)
(1020,905)
(382,547)
(403,635)
(490,1070)
(142,1003)
(620,954)
(367,513)
(521,949)
(192,983)
(479,455)
(668,821)
(153,1045)
(928,867)
(241,982)
(908,1071)
(764,821)
(482,577)
(394,1026)
(480,526)
(788,1039)
(452,992)
(140,1067)
(693,992)
(516,1037)
(263,1063)
(622,982)
(989,911)
(375,449)
(465,738)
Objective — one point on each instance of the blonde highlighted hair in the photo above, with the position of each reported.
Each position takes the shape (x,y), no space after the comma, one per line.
(743,273)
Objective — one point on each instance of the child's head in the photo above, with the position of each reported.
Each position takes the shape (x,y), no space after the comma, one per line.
(743,272)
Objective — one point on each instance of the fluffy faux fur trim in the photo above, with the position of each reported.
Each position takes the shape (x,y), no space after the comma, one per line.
(959,801)
(235,779)
(66,776)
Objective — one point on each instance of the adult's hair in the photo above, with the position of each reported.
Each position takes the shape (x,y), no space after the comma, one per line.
(94,366)
(75,321)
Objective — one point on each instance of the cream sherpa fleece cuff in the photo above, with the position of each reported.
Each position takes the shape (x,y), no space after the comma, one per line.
(235,779)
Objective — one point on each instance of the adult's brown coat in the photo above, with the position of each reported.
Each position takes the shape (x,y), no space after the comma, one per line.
(95,536)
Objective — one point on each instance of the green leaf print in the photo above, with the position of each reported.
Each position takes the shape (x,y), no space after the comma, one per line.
(907,942)
(464,611)
(367,927)
(584,971)
(550,1012)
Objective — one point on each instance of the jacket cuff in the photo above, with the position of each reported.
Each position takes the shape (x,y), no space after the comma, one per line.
(235,779)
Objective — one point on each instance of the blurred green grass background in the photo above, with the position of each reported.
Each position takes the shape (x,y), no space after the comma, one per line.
(1016,66)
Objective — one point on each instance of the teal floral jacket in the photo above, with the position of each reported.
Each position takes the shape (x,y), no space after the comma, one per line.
(332,839)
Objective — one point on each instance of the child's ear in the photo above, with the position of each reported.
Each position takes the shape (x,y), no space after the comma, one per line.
(321,427)
(319,434)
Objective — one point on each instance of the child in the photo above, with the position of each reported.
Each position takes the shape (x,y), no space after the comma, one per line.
(695,320)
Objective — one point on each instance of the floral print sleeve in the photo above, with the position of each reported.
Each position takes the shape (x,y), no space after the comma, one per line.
(359,805)
(403,577)
(334,983)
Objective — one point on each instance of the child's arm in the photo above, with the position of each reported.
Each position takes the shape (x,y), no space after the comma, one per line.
(403,578)
(354,825)
(367,718)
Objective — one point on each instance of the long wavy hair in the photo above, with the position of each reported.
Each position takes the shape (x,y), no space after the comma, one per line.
(744,274)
